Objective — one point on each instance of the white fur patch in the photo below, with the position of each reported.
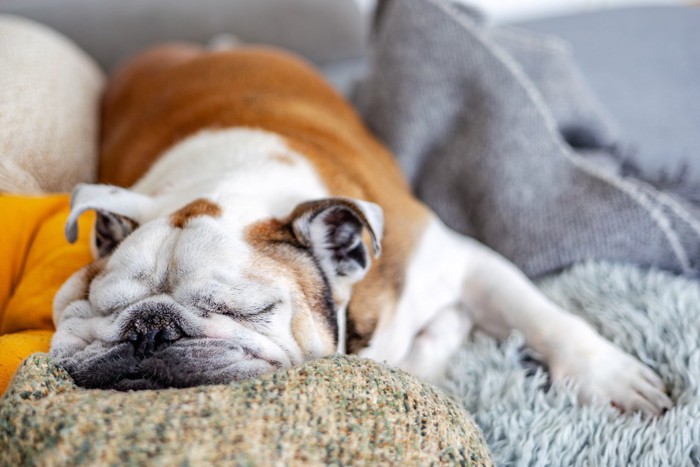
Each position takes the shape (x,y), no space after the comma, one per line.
(237,168)
(433,281)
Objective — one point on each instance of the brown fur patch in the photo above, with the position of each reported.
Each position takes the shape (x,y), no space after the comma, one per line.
(198,207)
(275,244)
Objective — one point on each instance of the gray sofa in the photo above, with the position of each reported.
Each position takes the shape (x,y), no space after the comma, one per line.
(644,65)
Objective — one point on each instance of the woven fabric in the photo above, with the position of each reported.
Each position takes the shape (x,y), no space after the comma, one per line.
(338,410)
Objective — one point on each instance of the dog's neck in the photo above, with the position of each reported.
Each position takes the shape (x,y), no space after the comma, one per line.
(253,170)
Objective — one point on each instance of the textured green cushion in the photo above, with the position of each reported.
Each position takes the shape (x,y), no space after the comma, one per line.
(336,410)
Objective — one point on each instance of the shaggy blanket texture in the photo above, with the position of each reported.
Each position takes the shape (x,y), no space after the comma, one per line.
(333,411)
(652,315)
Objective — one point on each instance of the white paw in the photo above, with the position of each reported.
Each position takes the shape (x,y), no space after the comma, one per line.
(603,372)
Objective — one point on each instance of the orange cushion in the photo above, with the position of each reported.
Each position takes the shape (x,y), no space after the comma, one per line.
(35,261)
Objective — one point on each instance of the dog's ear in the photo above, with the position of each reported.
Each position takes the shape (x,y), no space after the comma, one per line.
(119,212)
(333,229)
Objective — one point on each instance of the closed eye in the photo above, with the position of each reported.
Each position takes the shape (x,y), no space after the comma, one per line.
(266,309)
(210,305)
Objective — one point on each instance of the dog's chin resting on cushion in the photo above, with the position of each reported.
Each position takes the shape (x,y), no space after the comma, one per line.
(263,226)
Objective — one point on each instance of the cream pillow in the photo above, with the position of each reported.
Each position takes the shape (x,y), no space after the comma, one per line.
(49,104)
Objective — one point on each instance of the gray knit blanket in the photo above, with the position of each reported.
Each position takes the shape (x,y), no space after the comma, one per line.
(500,135)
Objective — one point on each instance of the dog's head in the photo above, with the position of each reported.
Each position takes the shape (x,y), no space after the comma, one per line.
(187,296)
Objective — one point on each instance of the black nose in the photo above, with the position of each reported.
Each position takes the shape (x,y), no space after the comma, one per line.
(154,328)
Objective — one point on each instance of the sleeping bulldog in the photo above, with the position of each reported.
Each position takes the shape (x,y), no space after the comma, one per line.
(264,226)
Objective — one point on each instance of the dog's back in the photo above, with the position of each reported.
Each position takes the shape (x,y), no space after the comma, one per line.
(174,91)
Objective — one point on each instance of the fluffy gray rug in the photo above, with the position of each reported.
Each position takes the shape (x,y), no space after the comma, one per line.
(651,314)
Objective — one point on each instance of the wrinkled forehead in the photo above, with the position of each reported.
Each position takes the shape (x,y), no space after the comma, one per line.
(203,259)
(193,239)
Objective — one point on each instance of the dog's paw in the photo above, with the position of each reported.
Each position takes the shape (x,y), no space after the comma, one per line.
(605,373)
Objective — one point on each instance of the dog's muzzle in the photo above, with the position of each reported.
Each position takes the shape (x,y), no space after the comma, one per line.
(160,347)
(155,326)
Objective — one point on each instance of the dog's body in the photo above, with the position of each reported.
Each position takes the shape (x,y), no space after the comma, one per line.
(244,244)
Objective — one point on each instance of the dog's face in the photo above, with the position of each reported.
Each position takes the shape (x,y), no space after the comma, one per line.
(193,297)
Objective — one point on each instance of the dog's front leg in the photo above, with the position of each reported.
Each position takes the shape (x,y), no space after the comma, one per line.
(500,299)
